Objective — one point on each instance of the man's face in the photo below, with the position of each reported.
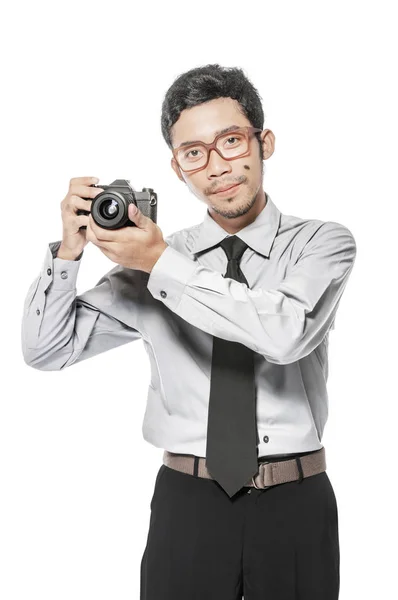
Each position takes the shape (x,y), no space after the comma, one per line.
(202,122)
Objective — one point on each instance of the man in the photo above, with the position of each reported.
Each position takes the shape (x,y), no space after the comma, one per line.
(235,315)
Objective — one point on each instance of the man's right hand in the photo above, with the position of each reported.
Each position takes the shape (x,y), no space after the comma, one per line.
(73,238)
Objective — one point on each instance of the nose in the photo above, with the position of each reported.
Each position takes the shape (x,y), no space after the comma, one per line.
(217,165)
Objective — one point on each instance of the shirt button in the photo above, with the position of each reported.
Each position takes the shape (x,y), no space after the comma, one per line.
(163,294)
(38,311)
(48,271)
(266,439)
(249,491)
(64,275)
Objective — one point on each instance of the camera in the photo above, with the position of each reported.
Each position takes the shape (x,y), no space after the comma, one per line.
(109,208)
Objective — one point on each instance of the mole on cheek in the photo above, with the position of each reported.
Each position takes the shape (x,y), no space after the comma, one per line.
(246,167)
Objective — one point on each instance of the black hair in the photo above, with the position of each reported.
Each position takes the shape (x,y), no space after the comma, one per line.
(206,83)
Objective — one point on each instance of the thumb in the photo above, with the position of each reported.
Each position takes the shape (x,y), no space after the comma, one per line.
(136,216)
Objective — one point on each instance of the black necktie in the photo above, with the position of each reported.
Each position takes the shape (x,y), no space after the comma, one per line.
(232,438)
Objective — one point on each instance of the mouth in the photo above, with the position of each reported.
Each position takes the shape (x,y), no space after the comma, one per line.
(230,189)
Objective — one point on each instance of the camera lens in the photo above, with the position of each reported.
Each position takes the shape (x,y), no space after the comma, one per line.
(109,209)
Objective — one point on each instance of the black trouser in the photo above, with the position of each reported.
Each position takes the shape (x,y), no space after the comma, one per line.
(280,543)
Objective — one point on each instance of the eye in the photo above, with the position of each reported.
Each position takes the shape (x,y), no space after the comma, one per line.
(186,155)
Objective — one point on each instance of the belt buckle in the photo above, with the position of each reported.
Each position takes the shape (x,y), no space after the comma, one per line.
(265,462)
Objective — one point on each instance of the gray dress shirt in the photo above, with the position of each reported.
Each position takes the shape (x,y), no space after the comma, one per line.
(297,270)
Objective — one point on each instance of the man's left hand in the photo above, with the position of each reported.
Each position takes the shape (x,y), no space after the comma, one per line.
(132,247)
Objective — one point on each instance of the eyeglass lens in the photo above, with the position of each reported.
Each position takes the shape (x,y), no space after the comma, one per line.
(230,145)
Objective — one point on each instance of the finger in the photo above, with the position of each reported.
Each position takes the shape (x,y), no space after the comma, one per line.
(84,191)
(90,235)
(103,235)
(83,180)
(110,246)
(76,202)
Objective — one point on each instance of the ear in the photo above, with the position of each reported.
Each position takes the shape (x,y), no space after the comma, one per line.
(176,169)
(268,143)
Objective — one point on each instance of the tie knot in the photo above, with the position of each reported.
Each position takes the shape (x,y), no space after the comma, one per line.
(233,247)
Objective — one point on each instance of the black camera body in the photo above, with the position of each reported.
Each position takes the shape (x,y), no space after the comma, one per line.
(109,208)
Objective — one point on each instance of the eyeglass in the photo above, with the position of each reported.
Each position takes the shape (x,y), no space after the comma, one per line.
(195,157)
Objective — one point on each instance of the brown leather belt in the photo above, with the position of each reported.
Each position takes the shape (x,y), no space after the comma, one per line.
(269,473)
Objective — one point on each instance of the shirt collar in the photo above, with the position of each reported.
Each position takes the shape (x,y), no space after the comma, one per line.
(258,235)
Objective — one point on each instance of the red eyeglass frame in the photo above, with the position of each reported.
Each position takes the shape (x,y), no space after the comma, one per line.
(246,130)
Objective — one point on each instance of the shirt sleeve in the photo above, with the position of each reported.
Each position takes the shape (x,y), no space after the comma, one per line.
(58,328)
(283,324)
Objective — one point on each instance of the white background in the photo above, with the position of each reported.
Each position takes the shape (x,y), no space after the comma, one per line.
(83,84)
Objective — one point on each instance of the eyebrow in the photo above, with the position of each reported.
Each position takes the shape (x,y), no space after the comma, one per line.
(220,131)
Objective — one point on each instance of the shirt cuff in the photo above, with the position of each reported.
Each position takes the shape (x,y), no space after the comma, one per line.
(169,276)
(61,273)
